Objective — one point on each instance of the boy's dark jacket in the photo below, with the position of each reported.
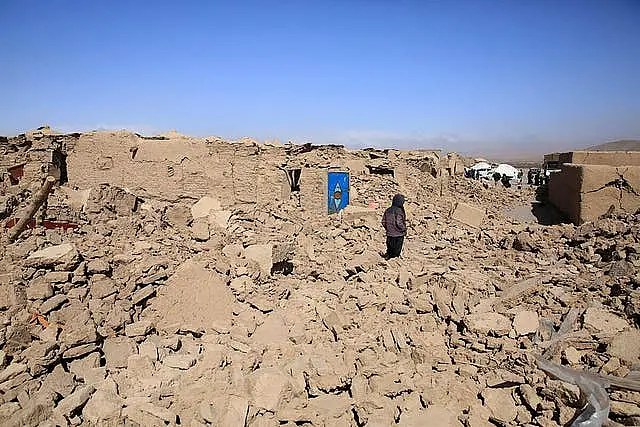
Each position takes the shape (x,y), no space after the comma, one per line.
(394,219)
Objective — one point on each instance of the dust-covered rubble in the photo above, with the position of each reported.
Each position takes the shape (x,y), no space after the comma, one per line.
(192,312)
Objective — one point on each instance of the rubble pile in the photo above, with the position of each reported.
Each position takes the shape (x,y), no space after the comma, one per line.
(152,312)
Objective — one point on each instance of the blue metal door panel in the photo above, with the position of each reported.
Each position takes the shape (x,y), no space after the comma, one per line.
(338,191)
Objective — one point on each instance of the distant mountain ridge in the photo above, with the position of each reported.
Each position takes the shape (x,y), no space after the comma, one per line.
(621,145)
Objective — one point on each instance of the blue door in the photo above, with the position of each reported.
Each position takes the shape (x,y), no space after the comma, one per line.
(338,191)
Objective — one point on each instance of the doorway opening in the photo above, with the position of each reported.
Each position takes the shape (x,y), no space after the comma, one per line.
(293,177)
(379,170)
(59,160)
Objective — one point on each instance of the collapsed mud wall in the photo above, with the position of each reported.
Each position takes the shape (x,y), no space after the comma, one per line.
(610,158)
(182,169)
(32,156)
(233,172)
(160,168)
(585,192)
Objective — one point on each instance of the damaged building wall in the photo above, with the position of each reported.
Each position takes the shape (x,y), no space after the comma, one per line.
(177,168)
(30,157)
(278,317)
(172,169)
(454,164)
(157,168)
(128,321)
(585,192)
(610,158)
(313,190)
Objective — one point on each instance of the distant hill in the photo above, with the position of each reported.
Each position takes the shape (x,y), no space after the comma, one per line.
(622,145)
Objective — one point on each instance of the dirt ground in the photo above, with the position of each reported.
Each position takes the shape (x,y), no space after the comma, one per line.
(193,312)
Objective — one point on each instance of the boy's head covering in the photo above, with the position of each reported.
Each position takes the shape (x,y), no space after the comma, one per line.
(398,200)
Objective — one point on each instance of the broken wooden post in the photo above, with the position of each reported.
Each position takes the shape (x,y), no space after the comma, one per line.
(38,199)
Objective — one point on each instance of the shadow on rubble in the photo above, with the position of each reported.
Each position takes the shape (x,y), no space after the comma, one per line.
(546,214)
(540,210)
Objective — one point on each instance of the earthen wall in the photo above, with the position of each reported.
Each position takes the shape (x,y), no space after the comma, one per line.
(585,192)
(611,158)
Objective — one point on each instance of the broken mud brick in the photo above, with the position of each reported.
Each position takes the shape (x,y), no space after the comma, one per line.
(291,315)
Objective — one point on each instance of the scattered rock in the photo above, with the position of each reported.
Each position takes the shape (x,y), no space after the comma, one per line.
(117,350)
(434,415)
(138,329)
(179,361)
(467,214)
(103,406)
(193,296)
(57,277)
(178,215)
(572,355)
(261,254)
(500,403)
(485,323)
(278,314)
(39,289)
(219,219)
(200,230)
(523,242)
(74,401)
(59,381)
(53,303)
(526,322)
(602,320)
(204,207)
(236,413)
(268,388)
(102,286)
(159,412)
(530,397)
(207,413)
(12,371)
(143,294)
(626,347)
(63,257)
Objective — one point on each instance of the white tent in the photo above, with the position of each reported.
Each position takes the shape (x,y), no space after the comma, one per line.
(505,169)
(481,166)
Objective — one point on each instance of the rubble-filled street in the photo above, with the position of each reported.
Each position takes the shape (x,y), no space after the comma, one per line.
(195,292)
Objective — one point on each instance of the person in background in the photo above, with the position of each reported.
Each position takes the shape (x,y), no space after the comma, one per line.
(394,222)
(496,177)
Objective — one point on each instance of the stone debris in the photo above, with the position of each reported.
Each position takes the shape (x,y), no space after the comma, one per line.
(237,412)
(138,329)
(500,403)
(12,371)
(197,297)
(467,214)
(526,322)
(39,289)
(103,406)
(200,230)
(626,347)
(64,256)
(179,361)
(53,303)
(204,207)
(602,320)
(117,350)
(488,323)
(74,401)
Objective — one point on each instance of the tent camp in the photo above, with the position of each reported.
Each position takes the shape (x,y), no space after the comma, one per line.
(481,166)
(505,169)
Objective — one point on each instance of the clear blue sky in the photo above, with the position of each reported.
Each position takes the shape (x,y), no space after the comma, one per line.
(468,75)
